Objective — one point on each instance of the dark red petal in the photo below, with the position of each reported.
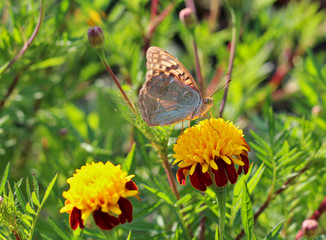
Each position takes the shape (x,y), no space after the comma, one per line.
(246,162)
(200,180)
(245,144)
(126,209)
(239,171)
(231,172)
(181,176)
(245,168)
(219,174)
(104,220)
(75,219)
(130,185)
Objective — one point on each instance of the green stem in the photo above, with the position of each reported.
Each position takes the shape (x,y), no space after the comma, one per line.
(221,199)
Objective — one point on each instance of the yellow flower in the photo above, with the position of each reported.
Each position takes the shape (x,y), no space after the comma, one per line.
(211,147)
(100,189)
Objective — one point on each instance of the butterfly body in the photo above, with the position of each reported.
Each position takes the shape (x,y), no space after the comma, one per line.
(170,94)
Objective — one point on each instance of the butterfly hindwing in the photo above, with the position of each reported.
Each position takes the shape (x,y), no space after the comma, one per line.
(164,100)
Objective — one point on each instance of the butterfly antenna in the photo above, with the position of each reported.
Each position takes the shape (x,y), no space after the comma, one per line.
(226,79)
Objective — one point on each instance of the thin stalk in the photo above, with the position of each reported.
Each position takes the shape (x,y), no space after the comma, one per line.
(232,54)
(169,173)
(155,21)
(198,69)
(154,5)
(108,68)
(190,4)
(20,54)
(16,235)
(30,40)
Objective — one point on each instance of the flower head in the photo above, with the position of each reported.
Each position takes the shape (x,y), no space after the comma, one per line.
(310,228)
(212,147)
(95,37)
(188,17)
(100,189)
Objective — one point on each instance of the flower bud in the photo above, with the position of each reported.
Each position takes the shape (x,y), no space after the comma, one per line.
(316,111)
(310,228)
(1,200)
(63,132)
(188,18)
(95,37)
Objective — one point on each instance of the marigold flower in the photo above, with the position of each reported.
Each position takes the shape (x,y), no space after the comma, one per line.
(100,189)
(211,147)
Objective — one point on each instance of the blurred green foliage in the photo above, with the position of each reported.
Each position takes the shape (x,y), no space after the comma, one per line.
(65,110)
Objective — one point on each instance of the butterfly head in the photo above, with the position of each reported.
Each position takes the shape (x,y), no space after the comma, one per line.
(207,104)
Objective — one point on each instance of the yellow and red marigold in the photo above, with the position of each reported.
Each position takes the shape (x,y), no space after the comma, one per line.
(212,147)
(102,190)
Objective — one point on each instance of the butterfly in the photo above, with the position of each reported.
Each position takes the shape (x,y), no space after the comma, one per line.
(170,94)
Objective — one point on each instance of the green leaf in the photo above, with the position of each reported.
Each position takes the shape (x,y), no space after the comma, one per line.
(3,67)
(272,235)
(20,196)
(35,200)
(271,124)
(216,232)
(35,185)
(161,195)
(58,230)
(184,199)
(28,191)
(30,209)
(129,235)
(129,159)
(51,62)
(247,215)
(256,178)
(49,188)
(4,177)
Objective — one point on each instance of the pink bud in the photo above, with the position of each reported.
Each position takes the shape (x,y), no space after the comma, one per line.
(316,110)
(188,17)
(310,228)
(96,37)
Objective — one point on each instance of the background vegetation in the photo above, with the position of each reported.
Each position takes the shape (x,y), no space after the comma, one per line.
(60,109)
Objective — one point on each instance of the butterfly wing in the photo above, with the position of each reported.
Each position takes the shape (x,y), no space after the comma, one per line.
(159,60)
(164,100)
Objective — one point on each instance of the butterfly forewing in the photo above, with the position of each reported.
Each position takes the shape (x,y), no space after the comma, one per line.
(159,61)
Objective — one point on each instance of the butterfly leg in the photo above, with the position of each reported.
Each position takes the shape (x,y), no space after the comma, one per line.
(212,126)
